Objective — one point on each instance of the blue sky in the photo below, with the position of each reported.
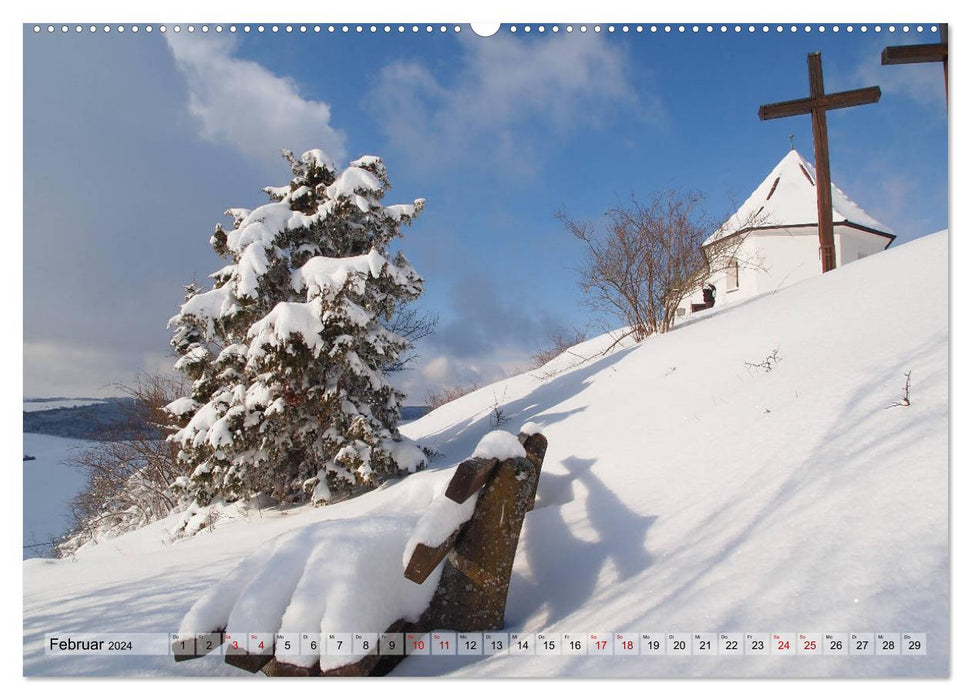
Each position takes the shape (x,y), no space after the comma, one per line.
(134,145)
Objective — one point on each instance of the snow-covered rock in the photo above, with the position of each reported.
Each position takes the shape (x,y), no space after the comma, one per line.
(499,445)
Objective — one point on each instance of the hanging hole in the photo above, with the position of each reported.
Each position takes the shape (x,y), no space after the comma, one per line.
(485,29)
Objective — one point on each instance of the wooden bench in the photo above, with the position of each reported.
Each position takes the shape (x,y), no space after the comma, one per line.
(478,559)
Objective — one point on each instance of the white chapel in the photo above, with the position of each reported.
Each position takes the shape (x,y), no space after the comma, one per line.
(772,241)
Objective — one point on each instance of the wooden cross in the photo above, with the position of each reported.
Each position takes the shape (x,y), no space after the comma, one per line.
(817,105)
(919,53)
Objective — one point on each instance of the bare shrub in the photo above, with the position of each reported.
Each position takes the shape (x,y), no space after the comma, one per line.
(767,364)
(130,469)
(435,399)
(905,398)
(559,342)
(498,417)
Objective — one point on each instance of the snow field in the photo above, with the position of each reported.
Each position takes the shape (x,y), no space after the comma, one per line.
(685,489)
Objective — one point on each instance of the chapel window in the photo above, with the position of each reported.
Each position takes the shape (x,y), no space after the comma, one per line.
(732,275)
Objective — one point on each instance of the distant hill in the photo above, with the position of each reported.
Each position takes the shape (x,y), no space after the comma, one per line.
(86,422)
(100,419)
(47,403)
(410,413)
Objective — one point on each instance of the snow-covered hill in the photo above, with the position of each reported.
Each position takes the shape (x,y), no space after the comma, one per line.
(32,405)
(742,473)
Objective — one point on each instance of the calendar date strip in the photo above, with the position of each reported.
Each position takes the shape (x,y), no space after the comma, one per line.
(298,646)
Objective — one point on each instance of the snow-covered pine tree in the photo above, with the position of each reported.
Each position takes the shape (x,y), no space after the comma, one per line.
(285,351)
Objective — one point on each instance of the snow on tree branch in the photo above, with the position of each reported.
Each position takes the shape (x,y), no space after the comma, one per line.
(287,351)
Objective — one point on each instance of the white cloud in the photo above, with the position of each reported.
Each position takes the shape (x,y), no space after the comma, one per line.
(888,193)
(240,103)
(504,85)
(158,363)
(58,368)
(922,82)
(437,370)
(64,369)
(434,373)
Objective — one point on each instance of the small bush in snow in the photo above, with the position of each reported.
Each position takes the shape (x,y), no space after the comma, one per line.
(768,364)
(498,416)
(435,399)
(559,343)
(905,398)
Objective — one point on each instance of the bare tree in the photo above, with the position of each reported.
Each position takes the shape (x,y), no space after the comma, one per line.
(412,325)
(649,258)
(130,468)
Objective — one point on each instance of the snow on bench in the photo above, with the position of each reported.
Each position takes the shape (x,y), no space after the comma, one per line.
(344,576)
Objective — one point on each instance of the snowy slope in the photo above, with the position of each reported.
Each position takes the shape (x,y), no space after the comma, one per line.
(683,490)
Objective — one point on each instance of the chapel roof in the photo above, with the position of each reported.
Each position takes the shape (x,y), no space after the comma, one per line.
(787,197)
